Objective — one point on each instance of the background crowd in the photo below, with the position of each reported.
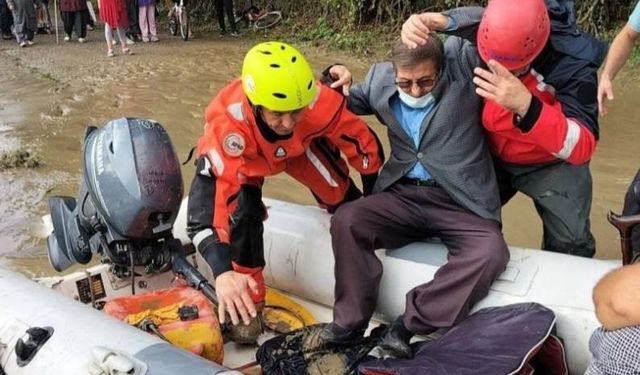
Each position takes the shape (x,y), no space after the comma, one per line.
(126,21)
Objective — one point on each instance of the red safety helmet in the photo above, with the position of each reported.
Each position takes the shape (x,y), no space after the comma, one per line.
(513,32)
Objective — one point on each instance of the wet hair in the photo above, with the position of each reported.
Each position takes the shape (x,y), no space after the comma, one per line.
(403,57)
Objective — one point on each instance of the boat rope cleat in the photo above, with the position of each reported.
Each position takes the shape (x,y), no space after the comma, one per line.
(107,361)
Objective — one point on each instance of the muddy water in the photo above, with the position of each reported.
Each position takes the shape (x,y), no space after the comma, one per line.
(49,94)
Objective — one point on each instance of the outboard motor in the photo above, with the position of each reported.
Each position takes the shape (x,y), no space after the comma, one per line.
(129,199)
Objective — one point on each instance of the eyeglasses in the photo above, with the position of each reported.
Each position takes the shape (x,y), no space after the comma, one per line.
(423,83)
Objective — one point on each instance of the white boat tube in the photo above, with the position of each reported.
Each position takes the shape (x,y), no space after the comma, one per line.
(300,261)
(84,341)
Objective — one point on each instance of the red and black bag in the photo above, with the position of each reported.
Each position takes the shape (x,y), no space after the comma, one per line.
(514,339)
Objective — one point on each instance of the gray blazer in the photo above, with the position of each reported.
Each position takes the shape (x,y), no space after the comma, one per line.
(452,146)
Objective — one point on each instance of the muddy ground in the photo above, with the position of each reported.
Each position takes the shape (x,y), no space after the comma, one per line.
(50,92)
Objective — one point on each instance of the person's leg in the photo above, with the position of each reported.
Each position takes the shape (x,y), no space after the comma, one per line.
(143,12)
(151,17)
(5,21)
(19,23)
(134,23)
(30,33)
(74,20)
(632,207)
(90,14)
(228,9)
(108,36)
(77,19)
(478,254)
(123,41)
(220,15)
(390,219)
(133,30)
(81,24)
(30,25)
(3,17)
(67,24)
(505,183)
(562,196)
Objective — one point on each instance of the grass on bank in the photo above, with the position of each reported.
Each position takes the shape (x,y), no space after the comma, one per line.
(43,76)
(19,158)
(365,41)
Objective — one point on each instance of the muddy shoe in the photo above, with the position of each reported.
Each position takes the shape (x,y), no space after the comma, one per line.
(334,334)
(395,341)
(305,351)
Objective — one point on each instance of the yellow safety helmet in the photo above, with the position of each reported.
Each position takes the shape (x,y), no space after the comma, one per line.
(278,77)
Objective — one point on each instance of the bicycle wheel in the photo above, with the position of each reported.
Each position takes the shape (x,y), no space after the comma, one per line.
(268,20)
(184,25)
(173,25)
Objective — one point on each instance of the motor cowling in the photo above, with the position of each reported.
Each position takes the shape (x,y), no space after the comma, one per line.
(129,197)
(133,177)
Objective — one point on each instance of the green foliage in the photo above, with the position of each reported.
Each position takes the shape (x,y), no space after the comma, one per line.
(594,16)
(362,41)
(359,25)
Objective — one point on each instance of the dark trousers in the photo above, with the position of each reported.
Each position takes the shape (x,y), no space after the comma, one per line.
(632,207)
(225,7)
(77,20)
(6,20)
(27,34)
(561,194)
(397,217)
(132,13)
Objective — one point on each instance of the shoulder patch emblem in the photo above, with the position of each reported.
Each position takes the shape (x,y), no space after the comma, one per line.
(233,144)
(280,152)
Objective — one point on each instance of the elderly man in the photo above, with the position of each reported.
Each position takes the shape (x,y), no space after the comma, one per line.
(439,181)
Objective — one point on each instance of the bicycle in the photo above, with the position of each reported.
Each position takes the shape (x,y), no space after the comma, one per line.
(258,19)
(178,19)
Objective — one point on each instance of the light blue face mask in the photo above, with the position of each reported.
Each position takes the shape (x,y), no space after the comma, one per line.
(422,102)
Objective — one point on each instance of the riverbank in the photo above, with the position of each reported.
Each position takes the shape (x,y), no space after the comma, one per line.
(51,92)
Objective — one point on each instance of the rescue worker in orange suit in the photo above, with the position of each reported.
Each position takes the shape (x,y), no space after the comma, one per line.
(276,118)
(541,109)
